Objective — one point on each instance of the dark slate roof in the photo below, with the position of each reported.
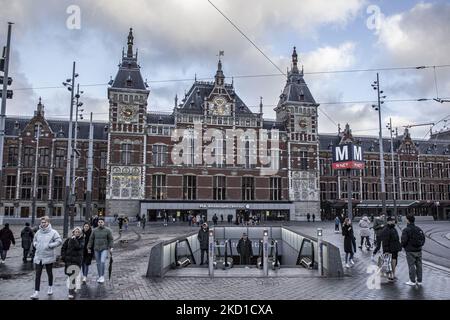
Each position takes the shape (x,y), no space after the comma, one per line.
(129,70)
(59,127)
(370,144)
(296,87)
(160,118)
(193,102)
(271,124)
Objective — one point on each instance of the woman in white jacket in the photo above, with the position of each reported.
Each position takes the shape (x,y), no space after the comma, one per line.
(45,241)
(364,224)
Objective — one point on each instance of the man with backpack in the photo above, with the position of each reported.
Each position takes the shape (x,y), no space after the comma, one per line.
(413,240)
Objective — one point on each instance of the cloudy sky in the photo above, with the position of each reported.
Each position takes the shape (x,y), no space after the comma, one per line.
(178,39)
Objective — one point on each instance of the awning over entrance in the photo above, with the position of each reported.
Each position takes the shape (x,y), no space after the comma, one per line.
(389,204)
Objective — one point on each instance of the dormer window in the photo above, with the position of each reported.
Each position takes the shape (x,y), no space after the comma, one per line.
(302,96)
(129,82)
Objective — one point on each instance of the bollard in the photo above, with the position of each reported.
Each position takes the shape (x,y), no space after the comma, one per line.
(211,253)
(319,251)
(266,252)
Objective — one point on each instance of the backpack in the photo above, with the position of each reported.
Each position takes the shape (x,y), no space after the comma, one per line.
(417,237)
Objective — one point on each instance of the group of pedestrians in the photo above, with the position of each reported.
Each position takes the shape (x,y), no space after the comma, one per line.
(387,238)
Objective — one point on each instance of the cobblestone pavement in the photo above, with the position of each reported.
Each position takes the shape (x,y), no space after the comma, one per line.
(130,265)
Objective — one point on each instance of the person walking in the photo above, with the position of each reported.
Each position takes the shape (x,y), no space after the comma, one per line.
(27,239)
(308,216)
(45,241)
(203,238)
(378,226)
(347,232)
(120,223)
(413,239)
(214,219)
(6,238)
(87,256)
(72,256)
(125,222)
(244,249)
(95,222)
(143,221)
(314,217)
(101,241)
(364,232)
(221,218)
(391,244)
(337,222)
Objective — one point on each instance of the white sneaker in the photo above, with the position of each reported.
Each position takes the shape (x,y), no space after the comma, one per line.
(70,296)
(419,283)
(50,291)
(84,279)
(347,265)
(410,283)
(2,262)
(101,280)
(352,262)
(35,295)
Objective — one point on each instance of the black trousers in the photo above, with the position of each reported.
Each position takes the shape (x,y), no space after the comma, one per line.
(378,245)
(202,254)
(25,253)
(245,259)
(49,269)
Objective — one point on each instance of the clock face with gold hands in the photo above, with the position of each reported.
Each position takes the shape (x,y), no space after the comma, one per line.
(128,113)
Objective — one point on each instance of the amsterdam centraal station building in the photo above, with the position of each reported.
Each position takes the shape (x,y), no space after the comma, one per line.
(213,155)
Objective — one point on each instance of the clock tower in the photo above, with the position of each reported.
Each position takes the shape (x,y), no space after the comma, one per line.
(127,96)
(297,109)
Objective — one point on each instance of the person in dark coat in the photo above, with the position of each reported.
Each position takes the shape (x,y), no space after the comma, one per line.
(203,238)
(347,232)
(6,238)
(72,255)
(95,222)
(87,254)
(27,239)
(314,217)
(120,222)
(244,248)
(413,239)
(214,219)
(391,243)
(378,226)
(143,221)
(308,216)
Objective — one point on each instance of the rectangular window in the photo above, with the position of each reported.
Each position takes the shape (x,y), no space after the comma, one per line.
(44,157)
(219,187)
(158,186)
(11,187)
(189,187)
(103,159)
(58,188)
(248,188)
(13,156)
(57,212)
(159,155)
(42,187)
(26,186)
(28,157)
(373,169)
(375,191)
(333,190)
(126,154)
(365,191)
(24,212)
(40,211)
(303,160)
(60,157)
(9,211)
(275,188)
(102,189)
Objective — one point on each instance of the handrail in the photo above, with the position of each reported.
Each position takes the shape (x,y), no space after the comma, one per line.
(277,264)
(226,254)
(191,254)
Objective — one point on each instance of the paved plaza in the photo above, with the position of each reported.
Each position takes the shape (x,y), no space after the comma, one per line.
(131,258)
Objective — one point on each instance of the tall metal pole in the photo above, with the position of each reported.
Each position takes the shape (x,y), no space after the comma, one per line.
(393,170)
(383,186)
(349,194)
(4,98)
(90,170)
(75,136)
(69,160)
(35,178)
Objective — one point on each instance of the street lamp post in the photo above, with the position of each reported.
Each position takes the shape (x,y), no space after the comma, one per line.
(75,151)
(376,86)
(70,83)
(35,178)
(389,126)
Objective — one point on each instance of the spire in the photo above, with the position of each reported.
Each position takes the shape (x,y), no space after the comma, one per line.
(294,60)
(130,44)
(261,105)
(219,74)
(40,108)
(347,136)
